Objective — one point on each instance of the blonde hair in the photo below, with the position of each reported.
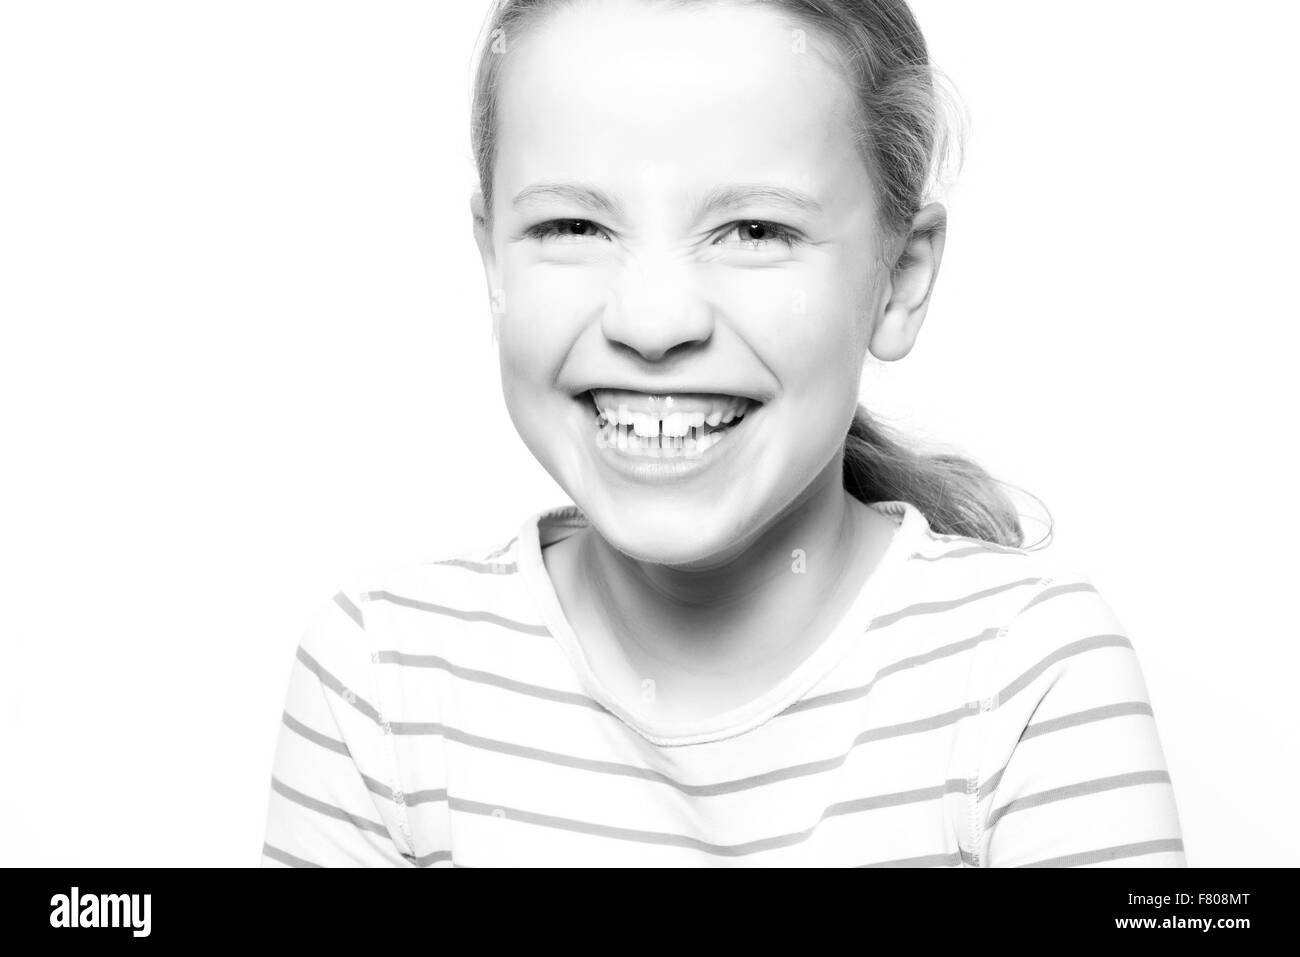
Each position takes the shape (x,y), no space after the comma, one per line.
(904,141)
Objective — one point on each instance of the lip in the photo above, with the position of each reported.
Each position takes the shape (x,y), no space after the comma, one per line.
(645,470)
(661,406)
(663,389)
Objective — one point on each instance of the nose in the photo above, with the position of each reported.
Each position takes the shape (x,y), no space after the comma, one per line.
(654,306)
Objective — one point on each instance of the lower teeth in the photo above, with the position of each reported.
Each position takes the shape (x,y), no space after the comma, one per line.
(622,437)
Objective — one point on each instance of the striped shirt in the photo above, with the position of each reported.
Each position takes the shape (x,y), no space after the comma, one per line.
(976,706)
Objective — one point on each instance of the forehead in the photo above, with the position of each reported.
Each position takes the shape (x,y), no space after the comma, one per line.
(701,94)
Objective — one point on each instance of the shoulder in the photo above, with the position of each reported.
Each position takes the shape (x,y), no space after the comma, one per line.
(1047,648)
(1046,623)
(1032,601)
(475,589)
(984,581)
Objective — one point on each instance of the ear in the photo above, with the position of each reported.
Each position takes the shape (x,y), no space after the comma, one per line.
(909,285)
(483,237)
(482,232)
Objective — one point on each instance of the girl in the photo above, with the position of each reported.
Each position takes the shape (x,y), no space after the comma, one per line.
(764,633)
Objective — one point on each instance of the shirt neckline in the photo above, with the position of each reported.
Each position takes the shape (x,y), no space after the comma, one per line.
(552,524)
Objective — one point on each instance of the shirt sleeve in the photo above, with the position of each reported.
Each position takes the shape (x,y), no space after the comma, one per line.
(333,799)
(1071,770)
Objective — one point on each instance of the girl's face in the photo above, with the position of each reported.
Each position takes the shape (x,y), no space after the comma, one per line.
(680,208)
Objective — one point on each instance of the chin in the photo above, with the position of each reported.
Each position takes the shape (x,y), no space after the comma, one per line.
(648,535)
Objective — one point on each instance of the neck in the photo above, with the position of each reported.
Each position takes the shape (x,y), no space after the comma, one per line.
(747,610)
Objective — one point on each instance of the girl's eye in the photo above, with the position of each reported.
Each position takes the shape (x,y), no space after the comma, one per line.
(750,233)
(758,233)
(564,229)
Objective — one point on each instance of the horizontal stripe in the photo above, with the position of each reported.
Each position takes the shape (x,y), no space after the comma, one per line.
(1065,793)
(1066,721)
(923,608)
(648,774)
(744,849)
(852,694)
(325,741)
(1057,590)
(489,678)
(1091,643)
(292,860)
(569,761)
(1116,853)
(405,659)
(284,857)
(936,607)
(502,550)
(482,568)
(618,833)
(329,810)
(416,728)
(991,784)
(433,857)
(917,795)
(929,860)
(429,796)
(486,616)
(920,725)
(1085,717)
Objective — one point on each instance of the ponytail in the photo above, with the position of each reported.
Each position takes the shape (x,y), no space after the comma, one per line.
(955,494)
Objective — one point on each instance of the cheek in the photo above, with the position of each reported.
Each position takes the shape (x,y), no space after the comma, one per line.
(800,321)
(806,325)
(545,309)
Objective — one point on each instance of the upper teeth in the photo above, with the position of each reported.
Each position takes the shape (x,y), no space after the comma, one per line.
(650,424)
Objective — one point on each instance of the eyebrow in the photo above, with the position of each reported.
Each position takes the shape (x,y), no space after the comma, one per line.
(739,194)
(719,198)
(579,193)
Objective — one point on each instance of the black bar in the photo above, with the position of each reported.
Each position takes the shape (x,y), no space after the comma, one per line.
(276,905)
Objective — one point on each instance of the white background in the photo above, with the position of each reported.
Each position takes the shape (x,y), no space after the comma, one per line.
(247,355)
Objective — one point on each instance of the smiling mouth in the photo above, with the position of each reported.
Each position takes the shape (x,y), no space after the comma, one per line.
(677,426)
